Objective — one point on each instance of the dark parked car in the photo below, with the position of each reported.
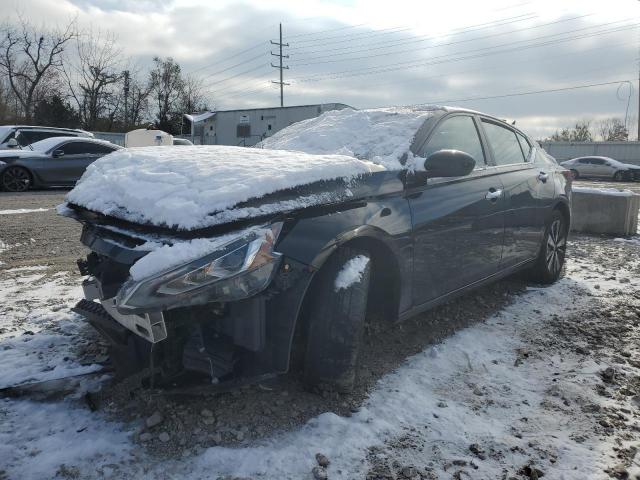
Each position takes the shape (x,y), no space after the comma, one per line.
(482,203)
(52,162)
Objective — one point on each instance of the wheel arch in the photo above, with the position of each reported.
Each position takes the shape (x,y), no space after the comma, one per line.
(30,172)
(386,271)
(565,210)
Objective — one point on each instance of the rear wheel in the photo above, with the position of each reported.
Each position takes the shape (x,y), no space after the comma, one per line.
(336,317)
(550,261)
(15,179)
(618,176)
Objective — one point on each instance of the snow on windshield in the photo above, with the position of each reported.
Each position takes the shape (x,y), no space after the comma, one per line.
(380,135)
(183,186)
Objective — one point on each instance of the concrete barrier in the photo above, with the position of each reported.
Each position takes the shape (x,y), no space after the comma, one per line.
(604,210)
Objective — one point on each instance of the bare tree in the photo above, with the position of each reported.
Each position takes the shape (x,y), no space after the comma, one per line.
(135,97)
(581,132)
(28,57)
(167,86)
(94,77)
(194,97)
(612,129)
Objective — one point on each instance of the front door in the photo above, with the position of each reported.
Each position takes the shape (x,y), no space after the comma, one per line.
(458,223)
(77,156)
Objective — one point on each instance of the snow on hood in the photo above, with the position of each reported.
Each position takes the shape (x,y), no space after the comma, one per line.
(381,135)
(189,187)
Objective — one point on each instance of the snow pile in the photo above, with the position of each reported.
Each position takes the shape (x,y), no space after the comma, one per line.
(380,135)
(164,257)
(183,186)
(351,272)
(604,191)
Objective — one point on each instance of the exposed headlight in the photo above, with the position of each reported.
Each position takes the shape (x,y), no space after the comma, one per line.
(239,269)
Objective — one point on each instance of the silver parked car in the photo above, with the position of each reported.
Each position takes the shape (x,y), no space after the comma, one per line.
(600,167)
(19,136)
(52,162)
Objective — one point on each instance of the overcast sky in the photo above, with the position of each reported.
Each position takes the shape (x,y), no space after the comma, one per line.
(369,54)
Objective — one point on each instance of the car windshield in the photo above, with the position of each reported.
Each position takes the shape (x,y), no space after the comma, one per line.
(4,131)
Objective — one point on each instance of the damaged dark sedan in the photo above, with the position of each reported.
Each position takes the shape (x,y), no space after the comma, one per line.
(230,264)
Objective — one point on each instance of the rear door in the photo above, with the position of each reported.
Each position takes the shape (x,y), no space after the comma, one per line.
(458,223)
(529,191)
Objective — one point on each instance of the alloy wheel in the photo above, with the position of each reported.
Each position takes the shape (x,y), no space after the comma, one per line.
(16,179)
(556,247)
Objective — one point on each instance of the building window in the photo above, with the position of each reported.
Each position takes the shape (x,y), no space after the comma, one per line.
(243,130)
(269,127)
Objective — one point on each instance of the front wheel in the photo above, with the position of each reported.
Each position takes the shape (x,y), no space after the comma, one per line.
(618,176)
(336,317)
(575,174)
(550,261)
(15,179)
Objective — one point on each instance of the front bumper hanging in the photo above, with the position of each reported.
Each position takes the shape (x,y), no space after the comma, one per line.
(149,326)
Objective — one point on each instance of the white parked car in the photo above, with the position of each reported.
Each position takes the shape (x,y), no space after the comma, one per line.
(602,167)
(17,136)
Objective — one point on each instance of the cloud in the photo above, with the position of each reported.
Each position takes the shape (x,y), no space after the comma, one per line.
(384,53)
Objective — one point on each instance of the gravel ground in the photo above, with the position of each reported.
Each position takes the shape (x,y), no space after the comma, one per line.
(38,238)
(181,426)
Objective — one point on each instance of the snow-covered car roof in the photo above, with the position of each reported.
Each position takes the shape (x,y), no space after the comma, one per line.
(381,135)
(194,186)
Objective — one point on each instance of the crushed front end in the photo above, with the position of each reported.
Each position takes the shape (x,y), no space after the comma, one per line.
(228,314)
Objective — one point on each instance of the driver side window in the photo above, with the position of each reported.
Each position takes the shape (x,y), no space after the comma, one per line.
(456,133)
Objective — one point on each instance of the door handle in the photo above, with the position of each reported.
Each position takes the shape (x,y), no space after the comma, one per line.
(543,177)
(493,195)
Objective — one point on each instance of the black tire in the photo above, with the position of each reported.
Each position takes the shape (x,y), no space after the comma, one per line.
(15,179)
(618,176)
(550,262)
(335,327)
(575,174)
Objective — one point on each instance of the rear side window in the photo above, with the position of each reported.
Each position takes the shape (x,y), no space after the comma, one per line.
(78,148)
(524,144)
(504,143)
(456,133)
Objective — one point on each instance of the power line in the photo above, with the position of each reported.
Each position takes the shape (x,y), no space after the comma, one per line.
(451,43)
(449,58)
(484,69)
(466,40)
(519,94)
(261,55)
(458,31)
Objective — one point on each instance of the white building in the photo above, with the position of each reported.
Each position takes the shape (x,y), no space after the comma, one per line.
(248,127)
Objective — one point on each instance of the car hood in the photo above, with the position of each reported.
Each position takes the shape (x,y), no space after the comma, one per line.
(190,188)
(631,166)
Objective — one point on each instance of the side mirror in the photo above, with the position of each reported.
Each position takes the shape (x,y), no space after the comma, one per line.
(13,143)
(449,163)
(58,153)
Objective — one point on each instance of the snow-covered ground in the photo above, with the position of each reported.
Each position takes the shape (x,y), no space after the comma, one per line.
(525,389)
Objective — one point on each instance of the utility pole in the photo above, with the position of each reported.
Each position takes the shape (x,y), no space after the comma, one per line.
(280,66)
(126,97)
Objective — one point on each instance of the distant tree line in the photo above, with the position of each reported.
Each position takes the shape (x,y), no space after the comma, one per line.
(66,77)
(607,130)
